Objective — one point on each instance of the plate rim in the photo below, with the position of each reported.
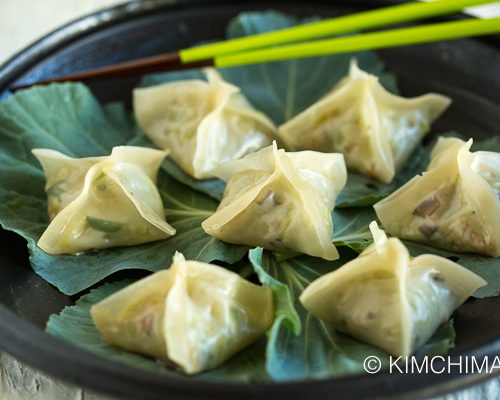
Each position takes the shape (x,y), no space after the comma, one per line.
(22,339)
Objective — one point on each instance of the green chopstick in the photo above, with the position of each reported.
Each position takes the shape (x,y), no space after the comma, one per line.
(334,26)
(367,41)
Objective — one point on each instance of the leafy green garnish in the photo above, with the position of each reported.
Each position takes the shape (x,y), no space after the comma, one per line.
(491,144)
(104,225)
(351,227)
(300,346)
(74,324)
(212,187)
(67,118)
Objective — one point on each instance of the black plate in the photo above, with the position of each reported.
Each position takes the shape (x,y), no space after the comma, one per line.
(465,70)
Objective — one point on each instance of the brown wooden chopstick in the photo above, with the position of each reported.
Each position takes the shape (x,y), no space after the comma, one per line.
(163,62)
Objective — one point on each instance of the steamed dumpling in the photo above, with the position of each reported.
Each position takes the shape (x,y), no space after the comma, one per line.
(193,314)
(389,299)
(374,129)
(102,202)
(454,205)
(204,124)
(280,201)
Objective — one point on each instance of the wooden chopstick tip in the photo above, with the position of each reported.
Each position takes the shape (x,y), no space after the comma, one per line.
(161,63)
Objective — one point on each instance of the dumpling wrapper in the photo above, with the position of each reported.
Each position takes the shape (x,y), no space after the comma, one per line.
(388,299)
(204,124)
(280,201)
(374,129)
(102,202)
(193,314)
(454,205)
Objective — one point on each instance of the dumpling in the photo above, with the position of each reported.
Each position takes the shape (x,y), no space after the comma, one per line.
(193,314)
(374,129)
(204,124)
(101,202)
(454,205)
(387,298)
(280,201)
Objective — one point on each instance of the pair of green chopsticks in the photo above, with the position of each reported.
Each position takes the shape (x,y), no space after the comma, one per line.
(252,49)
(282,44)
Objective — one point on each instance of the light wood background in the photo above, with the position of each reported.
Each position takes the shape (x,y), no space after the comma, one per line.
(24,21)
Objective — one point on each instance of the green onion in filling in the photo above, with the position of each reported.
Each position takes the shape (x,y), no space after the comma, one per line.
(104,225)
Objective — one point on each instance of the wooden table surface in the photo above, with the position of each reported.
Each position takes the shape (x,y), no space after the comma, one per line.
(22,22)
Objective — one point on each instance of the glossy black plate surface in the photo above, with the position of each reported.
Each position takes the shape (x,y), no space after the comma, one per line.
(467,70)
